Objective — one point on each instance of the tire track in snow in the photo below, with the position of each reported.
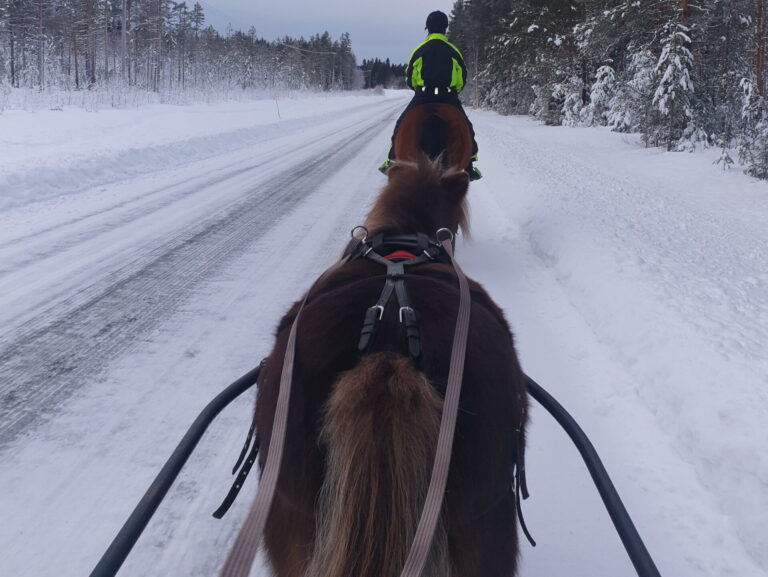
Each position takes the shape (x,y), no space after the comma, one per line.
(41,369)
(276,152)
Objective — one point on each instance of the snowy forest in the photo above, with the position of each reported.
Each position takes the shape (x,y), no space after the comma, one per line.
(383,73)
(160,46)
(683,73)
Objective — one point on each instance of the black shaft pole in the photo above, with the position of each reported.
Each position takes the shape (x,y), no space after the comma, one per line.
(121,546)
(633,544)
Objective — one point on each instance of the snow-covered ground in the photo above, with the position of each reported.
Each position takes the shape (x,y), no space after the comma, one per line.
(146,255)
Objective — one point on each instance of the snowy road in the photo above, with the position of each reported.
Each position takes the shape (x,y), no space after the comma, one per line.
(634,281)
(77,293)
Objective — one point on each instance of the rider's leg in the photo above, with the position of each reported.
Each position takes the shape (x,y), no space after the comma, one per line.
(415,101)
(474,173)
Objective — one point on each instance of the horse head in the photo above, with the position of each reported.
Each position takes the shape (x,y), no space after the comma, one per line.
(421,196)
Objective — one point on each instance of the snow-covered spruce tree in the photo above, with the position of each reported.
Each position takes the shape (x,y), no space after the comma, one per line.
(524,49)
(570,97)
(753,143)
(722,62)
(631,107)
(464,32)
(601,96)
(674,87)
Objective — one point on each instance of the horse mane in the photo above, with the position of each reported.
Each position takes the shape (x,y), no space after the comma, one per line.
(421,196)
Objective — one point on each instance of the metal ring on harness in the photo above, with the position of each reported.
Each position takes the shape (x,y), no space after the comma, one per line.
(444,230)
(354,230)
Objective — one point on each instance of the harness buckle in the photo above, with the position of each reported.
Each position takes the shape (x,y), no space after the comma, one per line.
(444,231)
(381,310)
(408,310)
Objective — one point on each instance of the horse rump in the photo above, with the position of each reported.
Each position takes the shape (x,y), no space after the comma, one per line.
(379,431)
(433,138)
(434,129)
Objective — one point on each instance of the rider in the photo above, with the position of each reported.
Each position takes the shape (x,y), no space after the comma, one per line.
(436,72)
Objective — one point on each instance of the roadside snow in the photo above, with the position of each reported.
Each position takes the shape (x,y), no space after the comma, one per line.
(54,152)
(660,261)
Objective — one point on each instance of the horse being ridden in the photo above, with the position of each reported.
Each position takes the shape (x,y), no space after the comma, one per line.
(436,72)
(436,130)
(362,427)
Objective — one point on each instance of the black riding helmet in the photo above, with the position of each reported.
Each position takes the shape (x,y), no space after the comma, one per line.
(437,22)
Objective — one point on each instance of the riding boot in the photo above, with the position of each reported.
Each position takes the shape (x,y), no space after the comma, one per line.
(474,172)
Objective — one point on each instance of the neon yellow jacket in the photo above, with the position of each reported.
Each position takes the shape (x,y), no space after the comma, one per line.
(436,63)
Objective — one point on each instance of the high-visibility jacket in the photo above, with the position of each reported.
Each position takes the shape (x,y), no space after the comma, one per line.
(436,63)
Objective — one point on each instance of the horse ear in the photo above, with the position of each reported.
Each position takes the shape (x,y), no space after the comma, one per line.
(394,169)
(455,183)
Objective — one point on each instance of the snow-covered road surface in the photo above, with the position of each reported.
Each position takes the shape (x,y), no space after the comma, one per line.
(76,293)
(635,283)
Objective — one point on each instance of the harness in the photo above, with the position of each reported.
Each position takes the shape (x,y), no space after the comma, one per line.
(409,250)
(379,249)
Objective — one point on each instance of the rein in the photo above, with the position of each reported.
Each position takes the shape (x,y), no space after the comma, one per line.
(425,531)
(243,552)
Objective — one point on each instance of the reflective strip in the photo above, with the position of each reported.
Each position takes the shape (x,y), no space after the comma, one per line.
(416,79)
(457,78)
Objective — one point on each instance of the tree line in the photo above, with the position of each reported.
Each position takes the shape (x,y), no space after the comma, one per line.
(157,45)
(683,73)
(383,73)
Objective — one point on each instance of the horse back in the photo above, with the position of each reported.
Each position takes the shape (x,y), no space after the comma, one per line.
(479,505)
(434,129)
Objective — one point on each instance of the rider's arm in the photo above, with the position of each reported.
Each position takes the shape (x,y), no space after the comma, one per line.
(463,70)
(415,55)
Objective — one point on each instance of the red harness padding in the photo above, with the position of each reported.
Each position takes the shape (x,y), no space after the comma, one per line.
(399,254)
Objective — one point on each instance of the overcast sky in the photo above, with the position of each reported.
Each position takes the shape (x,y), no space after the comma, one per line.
(385,29)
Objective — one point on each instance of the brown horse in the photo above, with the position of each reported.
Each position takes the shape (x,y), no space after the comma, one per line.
(362,429)
(434,129)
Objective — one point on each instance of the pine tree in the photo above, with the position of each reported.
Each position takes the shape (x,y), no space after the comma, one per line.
(674,88)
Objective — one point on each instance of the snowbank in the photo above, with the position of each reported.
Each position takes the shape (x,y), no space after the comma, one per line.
(55,152)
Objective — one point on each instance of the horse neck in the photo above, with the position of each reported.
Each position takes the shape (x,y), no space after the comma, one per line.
(413,219)
(420,198)
(393,227)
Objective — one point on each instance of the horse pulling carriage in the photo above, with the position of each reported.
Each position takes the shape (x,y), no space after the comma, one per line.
(369,469)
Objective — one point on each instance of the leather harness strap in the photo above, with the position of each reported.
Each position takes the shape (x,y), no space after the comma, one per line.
(395,283)
(243,552)
(422,542)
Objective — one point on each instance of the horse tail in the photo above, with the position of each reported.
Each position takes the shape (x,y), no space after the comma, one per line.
(380,432)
